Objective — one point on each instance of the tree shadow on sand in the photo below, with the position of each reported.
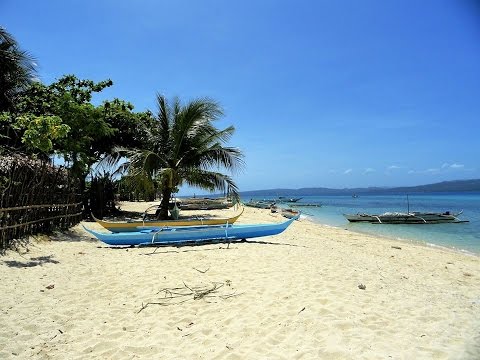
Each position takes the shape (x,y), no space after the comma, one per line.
(36,261)
(72,236)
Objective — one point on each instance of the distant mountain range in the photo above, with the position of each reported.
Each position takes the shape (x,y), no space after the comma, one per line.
(445,186)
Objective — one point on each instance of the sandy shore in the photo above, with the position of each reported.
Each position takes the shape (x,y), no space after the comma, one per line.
(290,296)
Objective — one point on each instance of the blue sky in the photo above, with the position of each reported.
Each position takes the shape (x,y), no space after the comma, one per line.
(322,93)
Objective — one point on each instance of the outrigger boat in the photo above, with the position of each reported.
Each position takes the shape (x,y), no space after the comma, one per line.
(410,217)
(306,205)
(136,225)
(287,199)
(415,217)
(190,234)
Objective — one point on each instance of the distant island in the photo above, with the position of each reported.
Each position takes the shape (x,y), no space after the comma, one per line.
(444,186)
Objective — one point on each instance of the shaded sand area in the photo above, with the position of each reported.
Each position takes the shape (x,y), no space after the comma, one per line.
(290,296)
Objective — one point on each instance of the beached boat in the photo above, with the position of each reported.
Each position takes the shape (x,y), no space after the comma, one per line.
(415,217)
(260,204)
(135,225)
(290,213)
(199,204)
(190,234)
(205,204)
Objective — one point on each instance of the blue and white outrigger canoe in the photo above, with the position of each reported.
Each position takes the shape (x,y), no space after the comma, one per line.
(188,234)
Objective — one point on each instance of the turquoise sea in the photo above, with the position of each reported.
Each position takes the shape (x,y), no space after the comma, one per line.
(463,237)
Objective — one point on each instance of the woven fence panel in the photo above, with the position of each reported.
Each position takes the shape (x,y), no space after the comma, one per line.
(35,198)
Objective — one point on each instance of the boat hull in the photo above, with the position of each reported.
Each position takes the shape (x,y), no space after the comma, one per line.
(132,226)
(179,235)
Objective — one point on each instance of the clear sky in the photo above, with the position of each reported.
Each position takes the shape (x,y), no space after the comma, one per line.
(322,93)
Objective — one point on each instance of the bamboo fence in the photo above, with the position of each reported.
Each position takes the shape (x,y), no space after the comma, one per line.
(35,198)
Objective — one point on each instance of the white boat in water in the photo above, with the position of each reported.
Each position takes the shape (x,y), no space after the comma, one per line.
(414,217)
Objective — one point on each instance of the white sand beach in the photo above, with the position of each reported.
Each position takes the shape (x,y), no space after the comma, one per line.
(291,296)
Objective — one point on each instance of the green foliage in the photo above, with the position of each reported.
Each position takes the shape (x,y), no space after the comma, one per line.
(129,128)
(40,131)
(92,130)
(17,70)
(80,91)
(100,195)
(137,187)
(30,133)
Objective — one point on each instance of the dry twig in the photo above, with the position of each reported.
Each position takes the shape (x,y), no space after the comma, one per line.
(174,296)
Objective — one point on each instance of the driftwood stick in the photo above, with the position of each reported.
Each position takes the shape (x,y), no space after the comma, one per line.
(201,293)
(188,287)
(172,296)
(168,289)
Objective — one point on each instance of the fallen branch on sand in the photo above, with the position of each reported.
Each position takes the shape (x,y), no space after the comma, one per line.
(175,296)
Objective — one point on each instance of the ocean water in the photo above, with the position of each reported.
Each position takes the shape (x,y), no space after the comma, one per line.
(462,237)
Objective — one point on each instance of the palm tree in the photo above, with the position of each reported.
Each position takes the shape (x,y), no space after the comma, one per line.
(17,70)
(182,147)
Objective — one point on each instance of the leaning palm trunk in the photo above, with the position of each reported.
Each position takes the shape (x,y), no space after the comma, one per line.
(162,213)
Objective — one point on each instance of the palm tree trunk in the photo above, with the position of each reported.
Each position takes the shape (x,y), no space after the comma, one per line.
(163,210)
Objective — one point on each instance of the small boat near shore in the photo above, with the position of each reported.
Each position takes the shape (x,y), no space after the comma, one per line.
(135,225)
(206,205)
(260,204)
(289,200)
(291,213)
(305,205)
(190,234)
(201,203)
(415,217)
